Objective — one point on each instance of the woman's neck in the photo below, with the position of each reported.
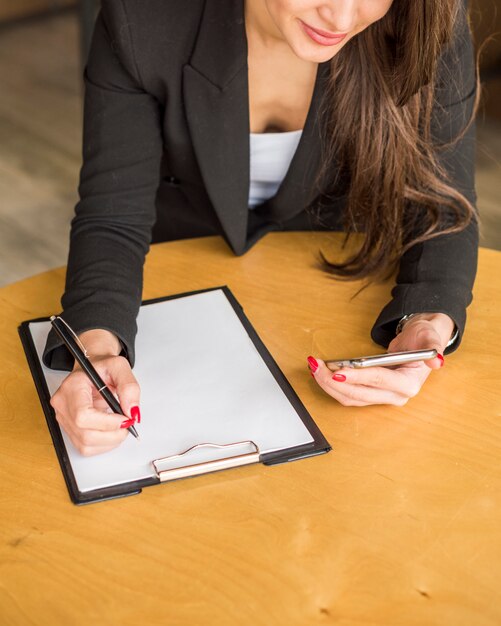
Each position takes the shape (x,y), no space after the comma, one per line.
(280,83)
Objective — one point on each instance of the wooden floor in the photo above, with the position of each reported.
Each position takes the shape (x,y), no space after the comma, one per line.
(40,130)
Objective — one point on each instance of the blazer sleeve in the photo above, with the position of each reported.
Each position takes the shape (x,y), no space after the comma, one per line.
(111,230)
(438,275)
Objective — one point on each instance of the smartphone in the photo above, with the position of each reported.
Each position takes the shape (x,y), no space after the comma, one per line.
(382,360)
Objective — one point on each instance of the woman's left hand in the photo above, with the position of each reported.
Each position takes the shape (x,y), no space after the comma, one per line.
(381,385)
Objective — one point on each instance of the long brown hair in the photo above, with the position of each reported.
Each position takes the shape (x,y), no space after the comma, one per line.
(379,108)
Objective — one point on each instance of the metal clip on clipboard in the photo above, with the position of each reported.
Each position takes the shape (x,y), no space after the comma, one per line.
(204,467)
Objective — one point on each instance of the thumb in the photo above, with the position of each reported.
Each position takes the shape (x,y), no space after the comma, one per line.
(431,341)
(419,337)
(433,344)
(126,386)
(438,361)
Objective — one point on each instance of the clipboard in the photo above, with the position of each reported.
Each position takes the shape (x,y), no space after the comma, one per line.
(244,415)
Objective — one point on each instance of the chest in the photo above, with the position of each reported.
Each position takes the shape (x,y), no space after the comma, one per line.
(280,91)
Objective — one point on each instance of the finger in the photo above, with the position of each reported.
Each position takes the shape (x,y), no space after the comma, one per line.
(355,393)
(421,336)
(360,395)
(436,363)
(101,405)
(351,394)
(85,416)
(93,450)
(125,385)
(428,340)
(92,440)
(406,383)
(86,426)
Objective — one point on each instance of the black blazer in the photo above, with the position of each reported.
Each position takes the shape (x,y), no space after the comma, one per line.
(166,156)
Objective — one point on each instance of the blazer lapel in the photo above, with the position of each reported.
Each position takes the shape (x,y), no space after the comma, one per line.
(215,89)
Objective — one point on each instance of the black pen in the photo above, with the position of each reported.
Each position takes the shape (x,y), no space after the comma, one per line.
(74,345)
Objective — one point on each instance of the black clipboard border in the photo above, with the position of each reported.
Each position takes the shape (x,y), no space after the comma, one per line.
(319,445)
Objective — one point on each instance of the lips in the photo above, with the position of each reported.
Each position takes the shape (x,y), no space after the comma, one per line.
(323,37)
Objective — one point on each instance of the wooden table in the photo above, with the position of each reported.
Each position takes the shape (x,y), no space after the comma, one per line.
(399,525)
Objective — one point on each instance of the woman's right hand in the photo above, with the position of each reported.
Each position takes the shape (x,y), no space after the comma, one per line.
(82,412)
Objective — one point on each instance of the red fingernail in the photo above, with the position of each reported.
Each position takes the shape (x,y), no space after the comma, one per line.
(135,413)
(313,364)
(441,359)
(339,377)
(127,423)
(312,375)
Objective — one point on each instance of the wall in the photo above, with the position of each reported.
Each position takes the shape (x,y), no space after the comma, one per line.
(486,24)
(15,9)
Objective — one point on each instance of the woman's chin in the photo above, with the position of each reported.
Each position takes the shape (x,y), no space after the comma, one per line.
(313,52)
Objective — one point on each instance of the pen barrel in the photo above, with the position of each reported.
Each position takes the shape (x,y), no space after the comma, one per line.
(100,385)
(112,401)
(78,355)
(90,371)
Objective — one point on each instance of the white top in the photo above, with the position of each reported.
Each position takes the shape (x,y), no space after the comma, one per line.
(270,157)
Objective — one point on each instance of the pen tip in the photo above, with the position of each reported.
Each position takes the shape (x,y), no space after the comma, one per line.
(133,431)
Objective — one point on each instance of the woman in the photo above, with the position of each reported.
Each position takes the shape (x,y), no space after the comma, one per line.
(352,113)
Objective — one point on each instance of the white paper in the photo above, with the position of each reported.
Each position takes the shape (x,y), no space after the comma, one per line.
(202,381)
